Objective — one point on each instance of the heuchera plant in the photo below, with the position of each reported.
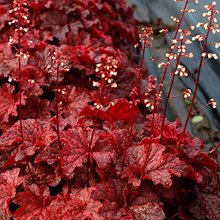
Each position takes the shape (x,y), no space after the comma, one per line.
(83,133)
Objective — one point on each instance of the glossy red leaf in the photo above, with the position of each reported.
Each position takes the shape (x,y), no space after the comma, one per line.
(120,110)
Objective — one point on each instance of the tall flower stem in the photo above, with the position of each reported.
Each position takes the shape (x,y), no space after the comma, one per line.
(138,79)
(134,93)
(167,65)
(20,78)
(171,48)
(106,71)
(57,107)
(169,94)
(93,133)
(20,20)
(130,129)
(151,135)
(197,80)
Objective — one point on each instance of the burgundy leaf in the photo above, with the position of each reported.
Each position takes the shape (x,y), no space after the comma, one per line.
(78,205)
(32,202)
(9,102)
(49,153)
(150,162)
(73,100)
(53,18)
(8,184)
(103,159)
(113,194)
(42,173)
(72,158)
(123,202)
(207,205)
(149,211)
(75,152)
(36,134)
(147,180)
(35,108)
(9,62)
(120,110)
(145,204)
(3,14)
(32,80)
(203,159)
(127,31)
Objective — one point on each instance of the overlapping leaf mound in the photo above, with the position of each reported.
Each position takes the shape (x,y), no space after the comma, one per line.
(136,179)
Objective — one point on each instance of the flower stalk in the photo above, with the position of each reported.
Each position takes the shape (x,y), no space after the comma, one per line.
(106,71)
(210,28)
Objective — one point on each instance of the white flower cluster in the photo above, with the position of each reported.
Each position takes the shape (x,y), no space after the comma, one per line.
(151,94)
(163,64)
(19,14)
(107,71)
(213,26)
(198,37)
(58,62)
(175,19)
(213,103)
(181,70)
(146,36)
(187,93)
(179,47)
(210,55)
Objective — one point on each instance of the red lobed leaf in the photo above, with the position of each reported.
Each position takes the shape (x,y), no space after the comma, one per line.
(35,108)
(75,206)
(8,184)
(32,80)
(9,102)
(75,152)
(123,202)
(149,211)
(36,134)
(207,206)
(42,173)
(73,100)
(150,162)
(120,110)
(49,153)
(31,202)
(203,159)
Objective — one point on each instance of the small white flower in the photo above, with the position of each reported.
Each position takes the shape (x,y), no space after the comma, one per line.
(213,103)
